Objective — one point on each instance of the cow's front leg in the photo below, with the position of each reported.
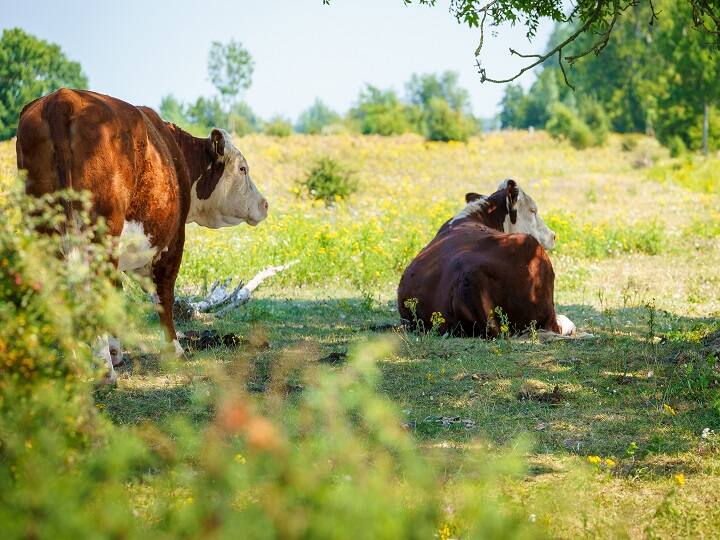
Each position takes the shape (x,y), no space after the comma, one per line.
(165,273)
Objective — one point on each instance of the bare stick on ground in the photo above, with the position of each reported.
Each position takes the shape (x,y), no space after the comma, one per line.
(221,298)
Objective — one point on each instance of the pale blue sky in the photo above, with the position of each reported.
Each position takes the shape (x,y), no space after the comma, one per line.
(141,50)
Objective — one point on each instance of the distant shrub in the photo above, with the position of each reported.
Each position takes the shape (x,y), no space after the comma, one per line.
(380,112)
(677,146)
(172,110)
(630,142)
(278,127)
(243,120)
(565,124)
(329,180)
(594,115)
(444,124)
(317,119)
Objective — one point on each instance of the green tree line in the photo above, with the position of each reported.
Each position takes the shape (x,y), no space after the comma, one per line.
(434,105)
(659,79)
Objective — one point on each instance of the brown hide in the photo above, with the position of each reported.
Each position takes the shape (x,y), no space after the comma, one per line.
(136,167)
(471,267)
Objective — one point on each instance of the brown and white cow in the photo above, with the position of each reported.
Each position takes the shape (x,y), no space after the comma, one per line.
(491,254)
(146,177)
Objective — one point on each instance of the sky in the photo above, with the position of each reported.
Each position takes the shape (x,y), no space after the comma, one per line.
(141,50)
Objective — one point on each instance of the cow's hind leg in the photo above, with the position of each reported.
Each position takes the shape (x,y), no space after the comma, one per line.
(165,273)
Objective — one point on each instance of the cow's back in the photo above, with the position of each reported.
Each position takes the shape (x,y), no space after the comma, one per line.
(467,270)
(88,141)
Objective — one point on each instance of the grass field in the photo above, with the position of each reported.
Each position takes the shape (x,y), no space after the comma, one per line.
(637,265)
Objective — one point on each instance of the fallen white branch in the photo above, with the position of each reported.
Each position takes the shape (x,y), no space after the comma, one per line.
(221,296)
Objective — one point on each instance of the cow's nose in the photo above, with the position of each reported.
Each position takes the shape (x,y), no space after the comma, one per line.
(264,206)
(553,236)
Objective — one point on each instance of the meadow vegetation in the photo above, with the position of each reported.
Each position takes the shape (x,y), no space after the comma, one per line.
(329,415)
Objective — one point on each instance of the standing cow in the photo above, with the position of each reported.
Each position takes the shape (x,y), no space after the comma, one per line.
(146,177)
(490,255)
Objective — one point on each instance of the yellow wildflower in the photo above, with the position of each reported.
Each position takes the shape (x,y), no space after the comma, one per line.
(436,319)
(680,479)
(595,460)
(669,410)
(610,463)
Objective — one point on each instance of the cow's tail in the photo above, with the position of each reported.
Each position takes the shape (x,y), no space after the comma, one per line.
(58,113)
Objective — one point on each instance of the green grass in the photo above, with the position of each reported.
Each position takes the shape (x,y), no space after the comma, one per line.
(637,265)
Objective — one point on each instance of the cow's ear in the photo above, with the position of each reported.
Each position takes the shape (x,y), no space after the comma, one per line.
(512,192)
(217,143)
(471,197)
(214,170)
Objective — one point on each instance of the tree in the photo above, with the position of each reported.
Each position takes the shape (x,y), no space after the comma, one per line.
(243,119)
(439,107)
(692,73)
(380,112)
(314,119)
(230,68)
(206,112)
(172,110)
(30,68)
(443,123)
(278,126)
(512,107)
(422,89)
(543,94)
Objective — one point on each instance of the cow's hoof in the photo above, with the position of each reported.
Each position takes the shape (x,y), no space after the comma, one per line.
(110,379)
(567,327)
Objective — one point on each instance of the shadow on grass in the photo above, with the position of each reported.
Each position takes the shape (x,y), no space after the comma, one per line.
(626,388)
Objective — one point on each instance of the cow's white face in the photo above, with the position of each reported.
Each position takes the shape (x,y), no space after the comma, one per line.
(523,209)
(234,199)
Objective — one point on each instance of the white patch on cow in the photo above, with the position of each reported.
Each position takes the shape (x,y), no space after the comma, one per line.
(135,250)
(528,221)
(234,200)
(567,327)
(470,209)
(101,351)
(116,352)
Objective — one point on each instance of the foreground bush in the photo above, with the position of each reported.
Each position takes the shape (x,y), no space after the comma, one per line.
(312,467)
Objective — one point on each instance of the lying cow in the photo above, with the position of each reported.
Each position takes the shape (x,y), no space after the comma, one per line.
(146,177)
(490,255)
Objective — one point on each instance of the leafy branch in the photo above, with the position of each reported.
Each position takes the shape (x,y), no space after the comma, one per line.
(597,17)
